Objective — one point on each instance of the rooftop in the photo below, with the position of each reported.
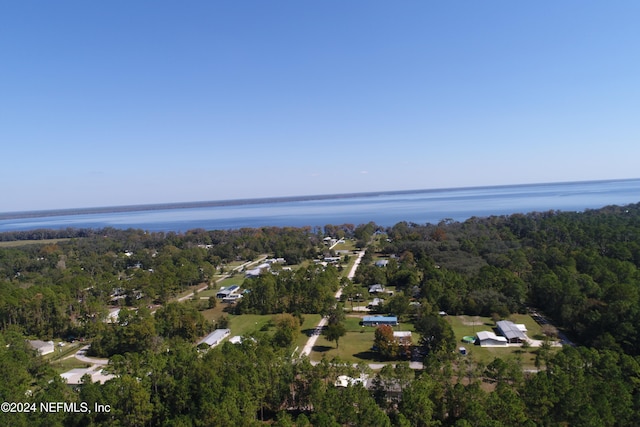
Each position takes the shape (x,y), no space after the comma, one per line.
(215,337)
(510,330)
(486,335)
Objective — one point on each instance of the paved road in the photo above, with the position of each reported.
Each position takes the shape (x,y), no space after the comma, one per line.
(306,350)
(80,355)
(538,317)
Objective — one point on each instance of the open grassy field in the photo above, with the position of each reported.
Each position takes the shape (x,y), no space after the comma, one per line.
(232,265)
(248,323)
(15,243)
(353,347)
(486,355)
(348,245)
(64,365)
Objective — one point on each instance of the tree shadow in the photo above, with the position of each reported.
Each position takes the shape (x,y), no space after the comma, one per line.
(372,356)
(321,348)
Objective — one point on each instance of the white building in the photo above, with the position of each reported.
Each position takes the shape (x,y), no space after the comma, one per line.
(97,374)
(489,339)
(42,347)
(402,335)
(515,333)
(346,381)
(255,272)
(113,315)
(215,337)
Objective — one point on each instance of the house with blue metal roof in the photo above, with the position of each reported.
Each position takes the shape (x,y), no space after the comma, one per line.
(380,320)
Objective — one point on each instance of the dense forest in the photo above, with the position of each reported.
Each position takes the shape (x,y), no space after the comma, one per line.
(580,269)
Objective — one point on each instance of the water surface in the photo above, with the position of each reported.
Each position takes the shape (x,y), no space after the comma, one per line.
(386,209)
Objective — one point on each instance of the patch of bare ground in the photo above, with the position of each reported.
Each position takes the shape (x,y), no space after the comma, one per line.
(471,320)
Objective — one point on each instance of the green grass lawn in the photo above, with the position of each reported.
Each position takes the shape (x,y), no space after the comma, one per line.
(486,355)
(469,325)
(213,314)
(232,265)
(209,293)
(239,324)
(348,245)
(64,365)
(353,347)
(248,323)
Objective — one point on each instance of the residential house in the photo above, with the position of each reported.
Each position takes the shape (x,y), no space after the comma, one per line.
(376,289)
(42,347)
(215,337)
(226,292)
(380,320)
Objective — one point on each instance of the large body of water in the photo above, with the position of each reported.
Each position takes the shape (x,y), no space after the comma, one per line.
(386,209)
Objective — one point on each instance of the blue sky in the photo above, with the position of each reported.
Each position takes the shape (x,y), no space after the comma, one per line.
(136,102)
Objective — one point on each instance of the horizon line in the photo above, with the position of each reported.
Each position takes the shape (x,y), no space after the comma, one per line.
(262,200)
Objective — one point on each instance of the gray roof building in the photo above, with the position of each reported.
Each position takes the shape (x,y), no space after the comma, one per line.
(511,331)
(42,347)
(215,337)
